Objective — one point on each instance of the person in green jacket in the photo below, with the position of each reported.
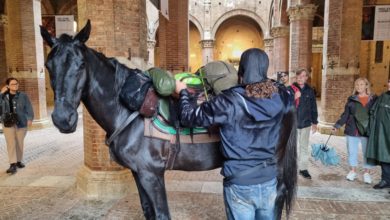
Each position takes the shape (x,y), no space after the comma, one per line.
(378,148)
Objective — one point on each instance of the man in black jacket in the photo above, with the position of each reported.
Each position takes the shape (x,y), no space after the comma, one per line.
(305,102)
(249,117)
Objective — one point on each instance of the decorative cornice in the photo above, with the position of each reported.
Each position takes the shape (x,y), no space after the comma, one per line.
(151,44)
(302,12)
(268,42)
(3,19)
(207,43)
(280,31)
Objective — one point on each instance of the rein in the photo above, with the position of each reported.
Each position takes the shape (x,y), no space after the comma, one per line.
(120,128)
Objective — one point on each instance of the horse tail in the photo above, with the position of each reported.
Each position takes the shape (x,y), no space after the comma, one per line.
(287,163)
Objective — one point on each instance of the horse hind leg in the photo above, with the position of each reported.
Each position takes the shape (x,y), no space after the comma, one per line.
(145,202)
(154,186)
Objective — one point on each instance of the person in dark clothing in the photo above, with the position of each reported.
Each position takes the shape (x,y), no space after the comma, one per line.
(378,148)
(17,103)
(361,99)
(305,102)
(249,117)
(282,77)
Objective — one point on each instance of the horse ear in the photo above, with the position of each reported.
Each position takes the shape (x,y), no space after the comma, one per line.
(83,35)
(47,37)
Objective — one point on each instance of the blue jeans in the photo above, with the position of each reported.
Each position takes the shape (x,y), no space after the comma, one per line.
(250,202)
(353,149)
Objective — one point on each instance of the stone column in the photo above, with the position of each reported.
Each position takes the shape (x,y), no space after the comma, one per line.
(280,35)
(173,37)
(151,46)
(3,57)
(342,31)
(207,51)
(24,52)
(269,49)
(122,34)
(152,22)
(301,23)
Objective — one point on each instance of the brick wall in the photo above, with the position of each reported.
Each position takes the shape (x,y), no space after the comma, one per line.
(300,44)
(341,56)
(173,37)
(24,51)
(121,30)
(3,58)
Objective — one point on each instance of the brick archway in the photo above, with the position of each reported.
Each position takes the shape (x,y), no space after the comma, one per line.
(238,12)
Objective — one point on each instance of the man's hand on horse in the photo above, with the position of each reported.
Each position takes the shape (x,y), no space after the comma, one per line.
(180,86)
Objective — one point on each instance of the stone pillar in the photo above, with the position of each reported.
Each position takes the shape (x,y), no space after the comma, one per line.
(173,37)
(269,49)
(342,31)
(151,46)
(3,57)
(301,23)
(207,51)
(152,22)
(280,35)
(24,52)
(122,34)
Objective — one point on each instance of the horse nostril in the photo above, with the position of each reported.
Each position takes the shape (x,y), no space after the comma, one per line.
(72,118)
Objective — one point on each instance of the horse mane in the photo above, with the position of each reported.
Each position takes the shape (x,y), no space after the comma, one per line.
(121,72)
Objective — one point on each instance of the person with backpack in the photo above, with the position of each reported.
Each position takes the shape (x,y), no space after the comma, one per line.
(378,148)
(250,118)
(356,120)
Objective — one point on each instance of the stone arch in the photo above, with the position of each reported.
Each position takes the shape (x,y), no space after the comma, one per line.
(69,8)
(271,18)
(47,8)
(280,13)
(239,12)
(197,24)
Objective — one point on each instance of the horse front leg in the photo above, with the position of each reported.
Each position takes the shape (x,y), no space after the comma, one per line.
(154,186)
(146,204)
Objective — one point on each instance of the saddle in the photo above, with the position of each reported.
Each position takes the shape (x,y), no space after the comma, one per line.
(166,126)
(157,127)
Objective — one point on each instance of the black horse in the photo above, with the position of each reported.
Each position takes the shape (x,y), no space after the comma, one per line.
(78,73)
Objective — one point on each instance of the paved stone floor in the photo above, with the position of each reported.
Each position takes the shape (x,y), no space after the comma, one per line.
(45,189)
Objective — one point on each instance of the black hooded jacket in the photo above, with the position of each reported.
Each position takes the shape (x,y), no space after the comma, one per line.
(347,117)
(249,127)
(307,113)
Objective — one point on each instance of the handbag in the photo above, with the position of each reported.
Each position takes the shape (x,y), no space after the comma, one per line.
(134,90)
(10,119)
(150,104)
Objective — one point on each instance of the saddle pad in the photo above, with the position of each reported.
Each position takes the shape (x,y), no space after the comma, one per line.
(151,130)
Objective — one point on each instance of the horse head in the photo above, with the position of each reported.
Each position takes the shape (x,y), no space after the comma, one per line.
(68,75)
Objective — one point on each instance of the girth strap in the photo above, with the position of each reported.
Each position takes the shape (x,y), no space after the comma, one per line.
(121,127)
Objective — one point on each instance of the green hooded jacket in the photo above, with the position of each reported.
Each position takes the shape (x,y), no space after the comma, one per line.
(378,147)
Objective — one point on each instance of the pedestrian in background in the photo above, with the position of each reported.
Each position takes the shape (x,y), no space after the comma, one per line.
(282,78)
(17,114)
(307,114)
(355,117)
(378,148)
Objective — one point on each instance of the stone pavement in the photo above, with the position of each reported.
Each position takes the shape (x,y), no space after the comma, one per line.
(45,189)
